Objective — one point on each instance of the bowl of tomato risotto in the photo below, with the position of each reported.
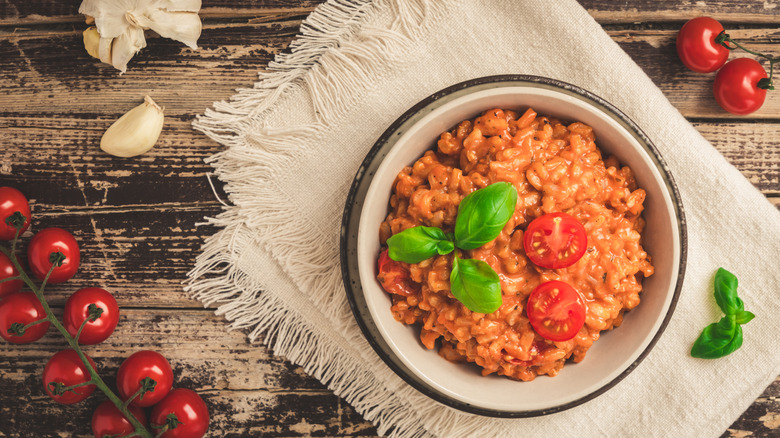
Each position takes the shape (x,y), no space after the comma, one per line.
(513,246)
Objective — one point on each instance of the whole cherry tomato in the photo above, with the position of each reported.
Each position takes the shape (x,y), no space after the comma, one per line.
(67,369)
(190,410)
(696,45)
(23,308)
(47,242)
(8,270)
(394,276)
(11,201)
(736,86)
(555,241)
(108,421)
(77,311)
(138,366)
(556,311)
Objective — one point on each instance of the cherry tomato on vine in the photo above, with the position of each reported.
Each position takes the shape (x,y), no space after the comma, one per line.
(23,308)
(77,311)
(67,369)
(46,242)
(697,48)
(555,240)
(556,311)
(190,410)
(736,86)
(393,276)
(11,201)
(8,270)
(138,366)
(108,421)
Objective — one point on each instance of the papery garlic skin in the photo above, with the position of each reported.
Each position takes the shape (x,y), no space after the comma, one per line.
(92,42)
(135,132)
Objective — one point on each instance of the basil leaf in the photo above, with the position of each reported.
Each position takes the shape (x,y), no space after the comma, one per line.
(718,339)
(483,213)
(475,284)
(416,244)
(726,292)
(744,317)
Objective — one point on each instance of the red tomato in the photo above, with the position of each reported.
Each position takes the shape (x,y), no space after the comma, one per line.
(67,368)
(11,201)
(556,311)
(697,48)
(108,421)
(555,241)
(736,86)
(77,311)
(394,276)
(8,270)
(24,308)
(48,241)
(189,409)
(138,366)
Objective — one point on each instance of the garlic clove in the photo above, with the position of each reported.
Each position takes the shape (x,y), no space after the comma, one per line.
(92,41)
(89,19)
(136,132)
(109,23)
(104,49)
(125,46)
(184,27)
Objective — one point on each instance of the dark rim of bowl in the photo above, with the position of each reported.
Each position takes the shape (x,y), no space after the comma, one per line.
(350,218)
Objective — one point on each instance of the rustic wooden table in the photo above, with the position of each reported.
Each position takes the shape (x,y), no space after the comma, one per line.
(135,218)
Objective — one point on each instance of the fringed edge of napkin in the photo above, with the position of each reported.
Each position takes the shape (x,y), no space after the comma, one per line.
(333,58)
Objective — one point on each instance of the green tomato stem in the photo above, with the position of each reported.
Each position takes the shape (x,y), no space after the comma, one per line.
(10,279)
(724,38)
(94,376)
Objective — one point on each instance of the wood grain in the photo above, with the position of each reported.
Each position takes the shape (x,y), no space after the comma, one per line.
(136,218)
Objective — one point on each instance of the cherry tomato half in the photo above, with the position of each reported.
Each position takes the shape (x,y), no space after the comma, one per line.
(556,311)
(48,241)
(555,241)
(736,86)
(189,409)
(67,368)
(107,420)
(697,48)
(11,201)
(77,311)
(8,270)
(24,308)
(138,366)
(394,276)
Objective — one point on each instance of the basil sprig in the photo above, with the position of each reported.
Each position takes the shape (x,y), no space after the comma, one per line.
(475,284)
(416,244)
(482,215)
(725,336)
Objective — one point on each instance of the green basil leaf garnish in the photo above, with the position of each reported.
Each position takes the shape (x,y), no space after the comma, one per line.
(483,213)
(475,284)
(725,336)
(416,244)
(726,292)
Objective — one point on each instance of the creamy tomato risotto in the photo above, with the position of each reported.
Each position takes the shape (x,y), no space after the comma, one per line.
(555,168)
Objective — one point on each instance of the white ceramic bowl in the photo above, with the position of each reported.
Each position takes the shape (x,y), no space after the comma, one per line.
(615,354)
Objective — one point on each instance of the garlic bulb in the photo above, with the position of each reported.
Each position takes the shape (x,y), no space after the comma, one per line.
(121,25)
(135,132)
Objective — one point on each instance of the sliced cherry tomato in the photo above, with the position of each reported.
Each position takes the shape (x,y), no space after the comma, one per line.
(555,241)
(44,244)
(23,308)
(11,201)
(736,86)
(66,368)
(190,410)
(394,276)
(8,270)
(108,421)
(77,311)
(556,311)
(697,48)
(138,366)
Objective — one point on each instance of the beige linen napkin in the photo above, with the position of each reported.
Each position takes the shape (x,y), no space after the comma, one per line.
(295,140)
